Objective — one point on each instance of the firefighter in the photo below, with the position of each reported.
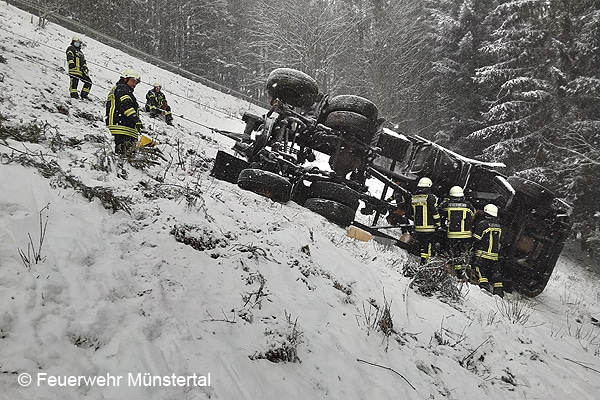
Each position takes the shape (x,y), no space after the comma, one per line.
(457,214)
(122,112)
(78,69)
(399,215)
(426,217)
(486,246)
(156,104)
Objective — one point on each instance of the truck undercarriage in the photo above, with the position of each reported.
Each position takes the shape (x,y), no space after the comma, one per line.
(274,150)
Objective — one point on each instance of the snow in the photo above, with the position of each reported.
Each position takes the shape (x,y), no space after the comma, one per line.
(116,299)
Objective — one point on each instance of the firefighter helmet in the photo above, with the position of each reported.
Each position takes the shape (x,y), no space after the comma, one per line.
(76,41)
(424,183)
(456,191)
(491,209)
(157,84)
(131,73)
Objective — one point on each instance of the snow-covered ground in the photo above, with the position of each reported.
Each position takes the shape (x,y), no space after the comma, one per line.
(190,293)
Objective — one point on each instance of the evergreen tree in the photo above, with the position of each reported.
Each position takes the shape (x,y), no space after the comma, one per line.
(543,119)
(396,56)
(575,161)
(456,33)
(309,35)
(206,41)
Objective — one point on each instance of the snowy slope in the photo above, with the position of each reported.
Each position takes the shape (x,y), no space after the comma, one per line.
(202,281)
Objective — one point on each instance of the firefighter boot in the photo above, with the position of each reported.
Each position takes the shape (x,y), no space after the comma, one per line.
(498,289)
(484,284)
(460,273)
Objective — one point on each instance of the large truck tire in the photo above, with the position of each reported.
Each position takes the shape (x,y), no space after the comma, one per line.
(349,102)
(265,183)
(336,192)
(292,87)
(349,123)
(335,212)
(227,167)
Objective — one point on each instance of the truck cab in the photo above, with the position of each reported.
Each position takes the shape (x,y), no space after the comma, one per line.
(535,223)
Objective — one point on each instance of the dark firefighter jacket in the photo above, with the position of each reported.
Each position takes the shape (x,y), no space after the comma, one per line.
(458,214)
(425,212)
(487,235)
(122,111)
(154,100)
(76,61)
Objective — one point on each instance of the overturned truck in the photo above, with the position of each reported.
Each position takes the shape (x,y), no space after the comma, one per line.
(271,157)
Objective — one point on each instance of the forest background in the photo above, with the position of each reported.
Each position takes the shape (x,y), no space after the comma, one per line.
(509,81)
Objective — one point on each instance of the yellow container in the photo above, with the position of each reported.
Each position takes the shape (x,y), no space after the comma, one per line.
(359,234)
(146,140)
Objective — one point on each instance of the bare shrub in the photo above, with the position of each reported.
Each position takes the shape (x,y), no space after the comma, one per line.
(379,318)
(434,278)
(103,160)
(446,337)
(197,237)
(283,345)
(107,196)
(516,309)
(254,298)
(347,290)
(85,341)
(385,324)
(51,169)
(59,142)
(588,337)
(254,252)
(34,132)
(145,157)
(88,116)
(192,195)
(34,255)
(93,138)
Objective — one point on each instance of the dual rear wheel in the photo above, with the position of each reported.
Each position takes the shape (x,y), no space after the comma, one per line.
(336,202)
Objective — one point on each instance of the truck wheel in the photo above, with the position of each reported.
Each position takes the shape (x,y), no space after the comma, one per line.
(335,212)
(292,87)
(539,194)
(265,183)
(227,167)
(349,102)
(300,192)
(351,123)
(336,192)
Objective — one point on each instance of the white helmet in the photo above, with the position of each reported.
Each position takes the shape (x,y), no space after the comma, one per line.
(424,183)
(456,191)
(157,84)
(131,73)
(76,41)
(491,209)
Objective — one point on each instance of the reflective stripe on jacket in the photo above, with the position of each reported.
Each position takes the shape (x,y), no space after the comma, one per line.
(425,212)
(154,100)
(76,62)
(487,235)
(122,111)
(458,214)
